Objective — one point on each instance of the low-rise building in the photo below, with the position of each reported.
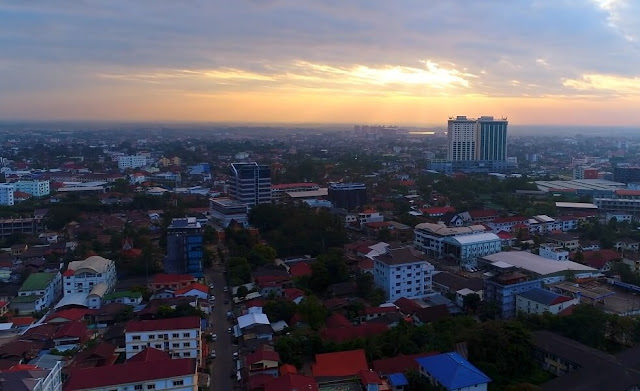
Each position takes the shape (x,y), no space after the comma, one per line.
(33,188)
(82,276)
(452,372)
(538,301)
(554,252)
(125,162)
(32,378)
(225,210)
(429,238)
(503,289)
(38,292)
(180,337)
(467,248)
(402,272)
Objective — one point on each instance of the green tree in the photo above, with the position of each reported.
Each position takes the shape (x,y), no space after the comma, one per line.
(312,312)
(279,310)
(242,292)
(471,302)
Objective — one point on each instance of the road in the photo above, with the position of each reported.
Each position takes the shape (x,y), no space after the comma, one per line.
(223,365)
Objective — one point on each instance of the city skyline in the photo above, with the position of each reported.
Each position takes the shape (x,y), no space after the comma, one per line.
(537,63)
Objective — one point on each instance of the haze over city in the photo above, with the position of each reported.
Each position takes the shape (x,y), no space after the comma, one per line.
(402,62)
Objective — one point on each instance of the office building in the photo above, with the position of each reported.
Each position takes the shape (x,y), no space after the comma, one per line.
(35,188)
(180,337)
(461,137)
(6,194)
(225,210)
(401,272)
(347,195)
(430,238)
(250,183)
(184,247)
(626,174)
(491,139)
(467,248)
(136,161)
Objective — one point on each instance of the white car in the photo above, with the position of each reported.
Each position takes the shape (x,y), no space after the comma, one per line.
(213,354)
(214,337)
(235,354)
(225,289)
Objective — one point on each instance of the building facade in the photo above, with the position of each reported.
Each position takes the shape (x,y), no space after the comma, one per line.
(538,301)
(503,289)
(347,195)
(83,276)
(553,251)
(402,273)
(180,337)
(135,161)
(279,192)
(40,290)
(429,238)
(491,139)
(461,139)
(35,188)
(622,200)
(184,247)
(6,194)
(250,183)
(226,210)
(466,248)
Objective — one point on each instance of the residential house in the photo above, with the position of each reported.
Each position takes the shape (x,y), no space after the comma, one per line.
(339,365)
(159,374)
(600,259)
(38,292)
(292,382)
(180,337)
(401,272)
(123,297)
(196,289)
(71,333)
(452,372)
(627,245)
(446,282)
(262,362)
(565,240)
(255,326)
(426,315)
(437,211)
(554,252)
(32,378)
(370,313)
(170,281)
(538,301)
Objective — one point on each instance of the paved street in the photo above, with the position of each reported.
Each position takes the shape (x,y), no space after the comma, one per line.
(223,365)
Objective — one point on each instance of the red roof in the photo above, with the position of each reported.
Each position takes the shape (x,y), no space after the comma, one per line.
(369,377)
(300,269)
(626,192)
(408,182)
(598,258)
(22,367)
(336,320)
(438,210)
(365,264)
(284,186)
(378,224)
(257,381)
(481,213)
(73,314)
(72,329)
(172,278)
(3,303)
(21,195)
(188,322)
(504,235)
(150,354)
(292,293)
(399,364)
(292,382)
(195,285)
(338,364)
(130,372)
(379,310)
(406,306)
(368,211)
(262,355)
(287,368)
(342,334)
(68,273)
(22,320)
(510,219)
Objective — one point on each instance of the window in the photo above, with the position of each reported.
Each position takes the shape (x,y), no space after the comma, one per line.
(186,335)
(175,335)
(136,337)
(151,386)
(178,382)
(175,345)
(158,346)
(135,347)
(151,336)
(186,354)
(137,387)
(397,284)
(186,344)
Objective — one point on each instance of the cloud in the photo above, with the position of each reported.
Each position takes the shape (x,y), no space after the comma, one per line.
(606,83)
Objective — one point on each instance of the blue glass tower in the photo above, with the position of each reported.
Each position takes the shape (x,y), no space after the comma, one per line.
(184,247)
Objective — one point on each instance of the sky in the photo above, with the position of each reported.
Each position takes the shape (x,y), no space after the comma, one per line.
(403,62)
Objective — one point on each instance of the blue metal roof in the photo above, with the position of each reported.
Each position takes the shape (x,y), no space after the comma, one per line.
(397,380)
(452,371)
(541,296)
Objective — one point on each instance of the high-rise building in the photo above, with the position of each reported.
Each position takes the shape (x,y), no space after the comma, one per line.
(461,136)
(6,194)
(473,139)
(491,138)
(347,195)
(250,183)
(184,247)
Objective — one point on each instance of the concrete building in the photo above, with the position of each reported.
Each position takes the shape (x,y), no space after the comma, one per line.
(621,201)
(466,248)
(503,288)
(347,195)
(626,174)
(35,188)
(6,194)
(32,378)
(429,238)
(184,247)
(83,276)
(226,210)
(25,225)
(180,337)
(554,252)
(125,162)
(491,139)
(452,372)
(401,272)
(279,191)
(250,183)
(461,138)
(38,292)
(538,301)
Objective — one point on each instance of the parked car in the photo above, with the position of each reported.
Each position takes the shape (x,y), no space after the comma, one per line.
(230,330)
(226,289)
(235,355)
(213,354)
(214,337)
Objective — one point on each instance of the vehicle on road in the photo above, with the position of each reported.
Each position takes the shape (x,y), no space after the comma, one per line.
(214,337)
(226,289)
(235,354)
(230,330)
(213,354)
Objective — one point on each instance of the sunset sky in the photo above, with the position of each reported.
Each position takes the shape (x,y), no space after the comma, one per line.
(339,61)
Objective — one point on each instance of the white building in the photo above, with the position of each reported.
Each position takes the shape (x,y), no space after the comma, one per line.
(554,251)
(402,273)
(136,161)
(429,238)
(38,291)
(369,216)
(82,276)
(466,248)
(35,188)
(36,379)
(6,194)
(538,301)
(180,337)
(461,137)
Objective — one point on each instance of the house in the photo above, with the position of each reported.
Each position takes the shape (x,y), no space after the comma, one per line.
(589,245)
(262,362)
(566,240)
(452,372)
(71,333)
(32,377)
(292,382)
(554,252)
(38,291)
(627,245)
(398,364)
(446,282)
(69,315)
(539,301)
(178,336)
(123,297)
(437,211)
(401,272)
(344,364)
(255,326)
(99,355)
(482,216)
(162,374)
(600,259)
(427,315)
(300,269)
(170,281)
(406,306)
(293,294)
(196,289)
(370,313)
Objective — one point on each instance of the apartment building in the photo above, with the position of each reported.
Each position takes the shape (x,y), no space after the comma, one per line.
(402,272)
(38,291)
(180,337)
(35,188)
(6,194)
(136,161)
(82,276)
(429,238)
(622,200)
(503,289)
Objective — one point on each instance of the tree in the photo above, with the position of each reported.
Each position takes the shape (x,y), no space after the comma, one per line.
(471,302)
(242,292)
(279,310)
(312,312)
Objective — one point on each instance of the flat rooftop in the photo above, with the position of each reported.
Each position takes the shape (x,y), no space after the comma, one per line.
(576,205)
(593,291)
(537,264)
(323,192)
(580,184)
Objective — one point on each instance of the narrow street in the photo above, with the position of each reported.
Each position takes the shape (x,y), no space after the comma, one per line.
(223,365)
